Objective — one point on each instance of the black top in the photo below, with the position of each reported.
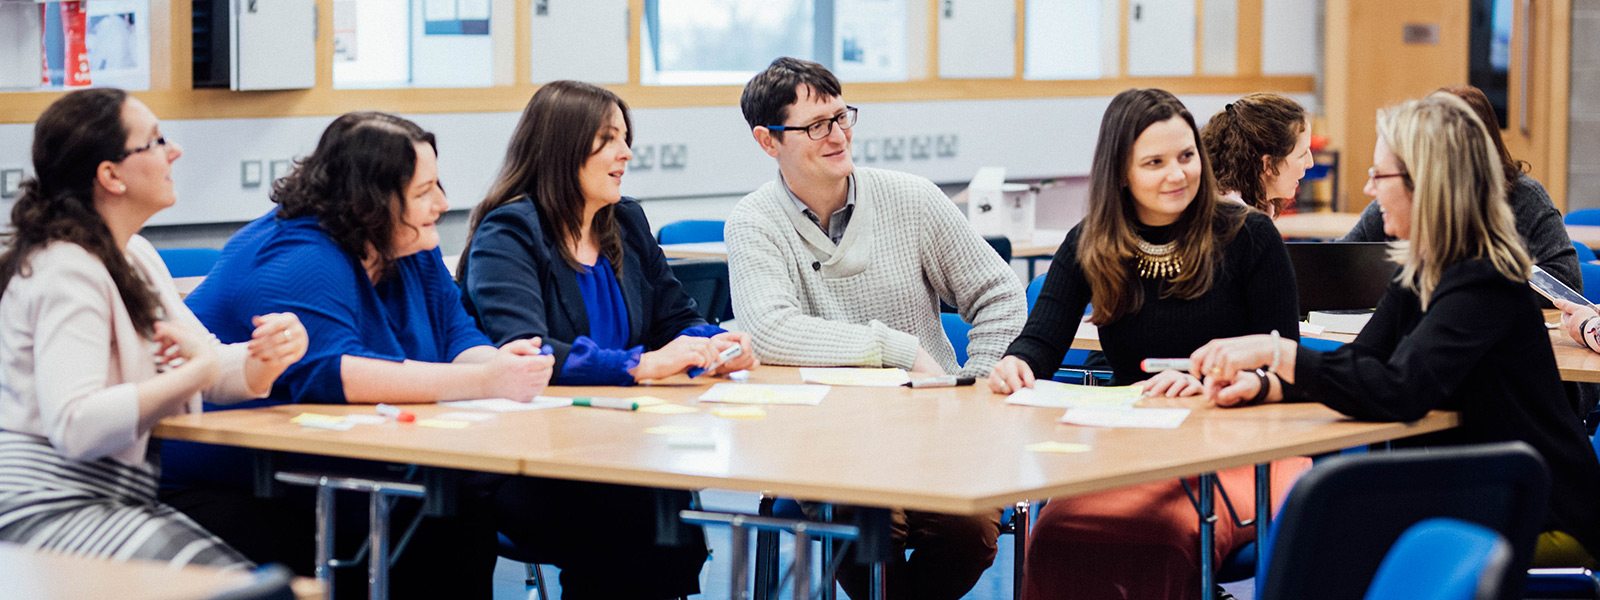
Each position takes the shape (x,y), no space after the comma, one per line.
(1537,221)
(1253,291)
(515,283)
(1480,349)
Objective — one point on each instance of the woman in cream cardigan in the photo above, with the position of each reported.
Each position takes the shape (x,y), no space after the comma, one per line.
(96,346)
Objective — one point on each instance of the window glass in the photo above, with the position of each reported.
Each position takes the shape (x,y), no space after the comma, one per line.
(63,45)
(712,42)
(412,43)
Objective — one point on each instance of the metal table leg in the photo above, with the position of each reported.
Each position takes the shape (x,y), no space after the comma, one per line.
(325,541)
(379,555)
(1208,542)
(740,563)
(876,547)
(1263,512)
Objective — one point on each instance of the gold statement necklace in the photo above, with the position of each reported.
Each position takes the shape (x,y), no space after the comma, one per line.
(1159,260)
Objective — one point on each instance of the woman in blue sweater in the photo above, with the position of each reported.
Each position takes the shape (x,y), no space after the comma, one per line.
(556,253)
(352,249)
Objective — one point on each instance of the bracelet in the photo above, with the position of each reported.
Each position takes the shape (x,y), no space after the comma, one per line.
(1266,387)
(1589,332)
(1277,352)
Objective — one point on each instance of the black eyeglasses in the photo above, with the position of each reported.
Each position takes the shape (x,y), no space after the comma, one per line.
(160,141)
(1372,173)
(824,127)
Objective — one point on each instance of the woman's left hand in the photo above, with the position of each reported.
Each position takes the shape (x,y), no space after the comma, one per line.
(747,355)
(278,340)
(1573,316)
(1172,384)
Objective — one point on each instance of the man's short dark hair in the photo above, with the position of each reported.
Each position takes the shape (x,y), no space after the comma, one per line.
(767,97)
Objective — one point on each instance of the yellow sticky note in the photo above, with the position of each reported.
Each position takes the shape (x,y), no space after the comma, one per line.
(667,409)
(1058,447)
(442,423)
(305,416)
(671,430)
(739,412)
(645,401)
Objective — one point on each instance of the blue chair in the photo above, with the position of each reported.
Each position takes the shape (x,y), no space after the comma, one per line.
(1442,559)
(189,262)
(1591,280)
(957,330)
(1343,516)
(1585,216)
(1571,582)
(688,232)
(535,577)
(1072,364)
(706,281)
(1584,253)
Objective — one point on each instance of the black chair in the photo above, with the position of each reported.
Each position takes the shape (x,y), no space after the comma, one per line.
(706,281)
(1345,514)
(271,583)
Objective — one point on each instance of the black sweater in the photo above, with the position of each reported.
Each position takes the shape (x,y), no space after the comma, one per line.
(1253,291)
(1480,349)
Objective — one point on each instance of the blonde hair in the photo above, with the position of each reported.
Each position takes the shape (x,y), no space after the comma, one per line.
(1458,208)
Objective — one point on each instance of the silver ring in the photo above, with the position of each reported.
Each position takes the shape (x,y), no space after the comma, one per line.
(288,335)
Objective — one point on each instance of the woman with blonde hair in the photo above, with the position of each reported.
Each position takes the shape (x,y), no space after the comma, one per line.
(1168,266)
(1260,148)
(1459,329)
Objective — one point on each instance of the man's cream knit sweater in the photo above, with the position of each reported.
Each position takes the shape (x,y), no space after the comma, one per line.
(871,299)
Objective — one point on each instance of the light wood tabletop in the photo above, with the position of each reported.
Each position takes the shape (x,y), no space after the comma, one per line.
(32,575)
(955,450)
(1588,234)
(1327,225)
(1043,245)
(1088,337)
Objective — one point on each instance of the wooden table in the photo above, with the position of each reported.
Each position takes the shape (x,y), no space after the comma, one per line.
(1326,225)
(1588,234)
(31,575)
(1043,245)
(955,450)
(1088,337)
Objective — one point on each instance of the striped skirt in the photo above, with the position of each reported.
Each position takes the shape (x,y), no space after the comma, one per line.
(101,509)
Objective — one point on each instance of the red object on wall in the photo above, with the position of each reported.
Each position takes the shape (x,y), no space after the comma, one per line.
(74,25)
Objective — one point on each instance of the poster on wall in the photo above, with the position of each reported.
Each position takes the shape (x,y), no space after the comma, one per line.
(869,40)
(118,43)
(344,31)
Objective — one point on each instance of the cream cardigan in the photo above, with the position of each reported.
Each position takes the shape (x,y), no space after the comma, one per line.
(70,357)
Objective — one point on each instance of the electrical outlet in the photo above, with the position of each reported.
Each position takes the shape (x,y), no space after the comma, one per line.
(10,183)
(644,158)
(250,173)
(280,169)
(674,156)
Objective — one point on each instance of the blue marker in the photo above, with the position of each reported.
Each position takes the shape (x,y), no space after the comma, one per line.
(726,355)
(547,350)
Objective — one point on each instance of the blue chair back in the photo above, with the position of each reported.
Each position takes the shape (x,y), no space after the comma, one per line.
(689,232)
(1591,280)
(957,330)
(1584,216)
(1442,559)
(189,262)
(1344,515)
(705,280)
(1584,253)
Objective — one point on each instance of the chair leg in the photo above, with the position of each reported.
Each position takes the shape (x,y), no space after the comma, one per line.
(536,580)
(1021,521)
(766,563)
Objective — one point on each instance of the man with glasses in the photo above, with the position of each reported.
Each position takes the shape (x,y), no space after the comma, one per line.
(832,265)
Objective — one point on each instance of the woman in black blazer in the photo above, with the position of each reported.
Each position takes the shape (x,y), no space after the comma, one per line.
(557,253)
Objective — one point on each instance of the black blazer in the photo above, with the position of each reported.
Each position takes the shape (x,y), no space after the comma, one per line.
(516,285)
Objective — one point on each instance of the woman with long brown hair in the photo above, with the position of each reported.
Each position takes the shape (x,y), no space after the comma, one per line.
(96,346)
(556,252)
(1168,266)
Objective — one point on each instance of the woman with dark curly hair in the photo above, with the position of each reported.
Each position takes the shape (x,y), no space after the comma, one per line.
(96,347)
(353,250)
(1260,148)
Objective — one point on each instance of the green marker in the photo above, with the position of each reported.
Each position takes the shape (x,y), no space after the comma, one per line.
(616,403)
